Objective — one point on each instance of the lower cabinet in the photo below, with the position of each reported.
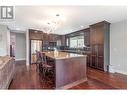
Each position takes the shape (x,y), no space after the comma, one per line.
(93,61)
(100,63)
(88,60)
(97,57)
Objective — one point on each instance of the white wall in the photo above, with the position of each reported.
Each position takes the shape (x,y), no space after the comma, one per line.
(20,52)
(27,48)
(4,41)
(118,47)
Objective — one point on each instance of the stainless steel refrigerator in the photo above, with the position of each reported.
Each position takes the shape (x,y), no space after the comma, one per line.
(35,45)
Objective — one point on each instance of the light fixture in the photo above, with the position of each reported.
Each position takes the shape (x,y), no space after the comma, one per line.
(53,23)
(81,26)
(57,15)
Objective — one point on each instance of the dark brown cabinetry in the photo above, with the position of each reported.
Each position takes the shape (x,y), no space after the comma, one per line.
(48,39)
(87,37)
(99,36)
(87,44)
(96,40)
(43,40)
(88,59)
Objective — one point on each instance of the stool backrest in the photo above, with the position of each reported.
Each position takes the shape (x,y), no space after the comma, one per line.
(38,56)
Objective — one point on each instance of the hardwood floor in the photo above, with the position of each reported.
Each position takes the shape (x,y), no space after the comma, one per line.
(28,78)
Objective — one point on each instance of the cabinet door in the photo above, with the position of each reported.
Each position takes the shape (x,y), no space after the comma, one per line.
(50,38)
(93,36)
(93,57)
(93,60)
(100,51)
(94,49)
(88,60)
(45,37)
(99,35)
(100,57)
(100,62)
(87,38)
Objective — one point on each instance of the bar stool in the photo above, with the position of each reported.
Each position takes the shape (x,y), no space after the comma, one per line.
(46,71)
(46,67)
(38,60)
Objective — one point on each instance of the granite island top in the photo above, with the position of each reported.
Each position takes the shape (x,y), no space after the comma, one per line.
(78,51)
(62,55)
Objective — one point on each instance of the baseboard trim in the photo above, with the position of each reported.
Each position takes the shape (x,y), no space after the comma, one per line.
(73,84)
(121,72)
(112,70)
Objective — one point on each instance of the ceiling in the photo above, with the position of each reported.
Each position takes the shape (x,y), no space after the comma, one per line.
(75,17)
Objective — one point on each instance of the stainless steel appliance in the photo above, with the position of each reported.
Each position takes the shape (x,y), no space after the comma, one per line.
(35,45)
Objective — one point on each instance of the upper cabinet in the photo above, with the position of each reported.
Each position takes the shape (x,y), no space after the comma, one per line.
(35,34)
(46,38)
(97,33)
(87,37)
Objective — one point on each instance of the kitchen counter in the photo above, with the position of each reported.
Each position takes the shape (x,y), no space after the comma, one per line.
(62,55)
(70,69)
(77,51)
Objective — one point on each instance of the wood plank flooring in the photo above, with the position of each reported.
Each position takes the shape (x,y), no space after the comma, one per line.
(28,78)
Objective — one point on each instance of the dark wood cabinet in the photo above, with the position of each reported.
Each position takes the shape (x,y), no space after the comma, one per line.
(88,60)
(63,40)
(96,40)
(35,34)
(52,37)
(87,43)
(97,56)
(99,36)
(87,37)
(48,39)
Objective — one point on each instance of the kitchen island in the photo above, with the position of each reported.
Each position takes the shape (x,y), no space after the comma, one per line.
(70,68)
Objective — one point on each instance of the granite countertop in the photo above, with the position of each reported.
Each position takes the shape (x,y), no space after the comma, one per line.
(4,60)
(78,51)
(62,55)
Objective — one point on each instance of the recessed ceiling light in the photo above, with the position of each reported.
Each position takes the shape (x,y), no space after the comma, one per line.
(57,15)
(81,26)
(18,29)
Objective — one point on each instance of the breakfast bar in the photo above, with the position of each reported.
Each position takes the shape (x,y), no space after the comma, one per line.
(70,68)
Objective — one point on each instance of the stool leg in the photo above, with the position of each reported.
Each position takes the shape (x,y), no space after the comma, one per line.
(44,73)
(37,67)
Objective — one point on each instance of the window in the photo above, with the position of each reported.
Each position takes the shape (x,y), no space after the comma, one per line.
(67,44)
(58,42)
(77,42)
